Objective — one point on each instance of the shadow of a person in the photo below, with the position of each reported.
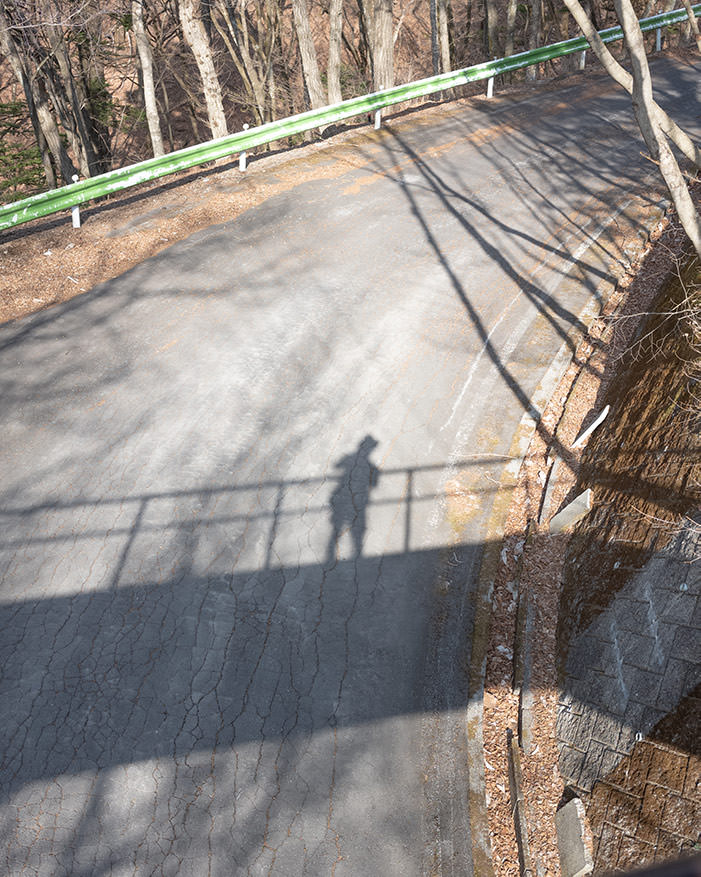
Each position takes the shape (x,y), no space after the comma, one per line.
(349,501)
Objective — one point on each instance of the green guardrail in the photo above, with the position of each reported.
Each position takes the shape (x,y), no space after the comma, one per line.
(66,197)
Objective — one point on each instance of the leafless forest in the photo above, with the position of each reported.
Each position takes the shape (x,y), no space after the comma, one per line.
(87,85)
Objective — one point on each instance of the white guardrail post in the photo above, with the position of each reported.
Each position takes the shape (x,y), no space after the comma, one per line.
(490,86)
(75,210)
(658,39)
(242,156)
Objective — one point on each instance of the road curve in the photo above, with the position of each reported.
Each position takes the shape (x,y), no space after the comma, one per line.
(244,491)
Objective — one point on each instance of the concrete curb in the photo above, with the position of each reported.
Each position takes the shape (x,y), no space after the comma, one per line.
(477,804)
(518,806)
(574,840)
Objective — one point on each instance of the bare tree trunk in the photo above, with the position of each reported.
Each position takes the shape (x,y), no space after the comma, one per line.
(365,54)
(407,9)
(143,47)
(36,98)
(383,49)
(237,41)
(76,117)
(435,51)
(534,35)
(11,54)
(463,52)
(443,36)
(307,50)
(511,11)
(644,107)
(196,38)
(679,137)
(51,133)
(491,34)
(270,48)
(693,23)
(252,57)
(51,84)
(166,106)
(249,75)
(286,90)
(333,71)
(44,150)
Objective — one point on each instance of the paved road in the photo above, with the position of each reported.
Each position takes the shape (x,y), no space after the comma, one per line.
(244,494)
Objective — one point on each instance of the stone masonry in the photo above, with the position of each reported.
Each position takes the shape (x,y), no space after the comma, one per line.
(629,713)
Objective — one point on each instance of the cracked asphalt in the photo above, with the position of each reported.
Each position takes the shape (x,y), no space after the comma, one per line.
(244,492)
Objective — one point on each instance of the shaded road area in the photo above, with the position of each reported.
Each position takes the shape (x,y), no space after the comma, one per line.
(245,490)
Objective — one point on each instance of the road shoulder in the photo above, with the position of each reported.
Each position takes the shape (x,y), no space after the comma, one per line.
(524,561)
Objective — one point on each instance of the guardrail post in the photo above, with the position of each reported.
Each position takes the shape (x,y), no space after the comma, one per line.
(582,59)
(490,85)
(378,119)
(242,156)
(658,39)
(75,211)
